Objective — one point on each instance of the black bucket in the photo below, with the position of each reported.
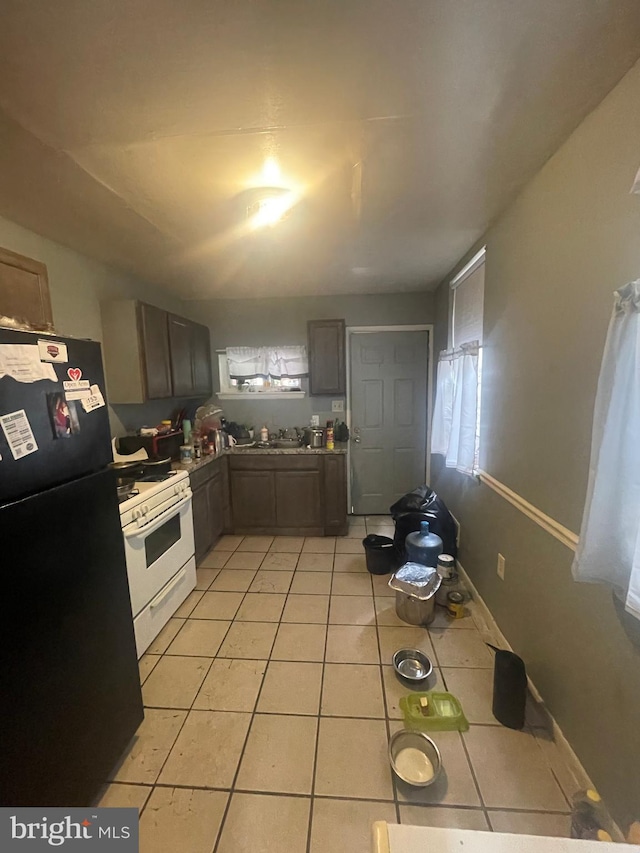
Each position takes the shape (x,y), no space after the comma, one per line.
(382,556)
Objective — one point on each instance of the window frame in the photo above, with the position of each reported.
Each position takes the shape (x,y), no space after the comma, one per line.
(478,260)
(230,392)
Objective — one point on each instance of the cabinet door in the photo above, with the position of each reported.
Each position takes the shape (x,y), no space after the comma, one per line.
(202,522)
(226,497)
(216,506)
(24,290)
(180,338)
(201,359)
(335,494)
(253,499)
(327,372)
(154,352)
(298,499)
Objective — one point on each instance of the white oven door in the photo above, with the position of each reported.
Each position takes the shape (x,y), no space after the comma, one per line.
(157,549)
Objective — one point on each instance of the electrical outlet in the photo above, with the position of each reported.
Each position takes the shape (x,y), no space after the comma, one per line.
(500,568)
(337,405)
(315,420)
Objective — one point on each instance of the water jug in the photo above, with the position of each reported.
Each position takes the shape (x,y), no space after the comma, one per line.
(423,547)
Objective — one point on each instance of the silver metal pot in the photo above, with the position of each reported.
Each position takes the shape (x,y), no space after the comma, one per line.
(314,437)
(415,587)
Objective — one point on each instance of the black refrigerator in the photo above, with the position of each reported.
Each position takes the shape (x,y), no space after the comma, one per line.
(70,697)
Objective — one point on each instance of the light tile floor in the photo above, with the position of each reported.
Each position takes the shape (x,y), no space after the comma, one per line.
(270,700)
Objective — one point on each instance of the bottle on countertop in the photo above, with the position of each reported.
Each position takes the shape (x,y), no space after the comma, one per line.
(330,442)
(197,446)
(264,434)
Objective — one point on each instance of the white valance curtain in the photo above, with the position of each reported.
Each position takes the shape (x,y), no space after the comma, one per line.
(291,362)
(278,362)
(455,414)
(609,546)
(247,362)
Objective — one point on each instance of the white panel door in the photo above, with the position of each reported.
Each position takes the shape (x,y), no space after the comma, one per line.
(388,395)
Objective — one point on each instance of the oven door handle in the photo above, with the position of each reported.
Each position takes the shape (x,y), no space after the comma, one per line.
(159,520)
(164,593)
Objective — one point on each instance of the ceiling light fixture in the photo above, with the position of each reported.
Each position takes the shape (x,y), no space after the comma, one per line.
(270,211)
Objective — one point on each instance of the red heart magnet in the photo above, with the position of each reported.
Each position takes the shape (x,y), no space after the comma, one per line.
(74,373)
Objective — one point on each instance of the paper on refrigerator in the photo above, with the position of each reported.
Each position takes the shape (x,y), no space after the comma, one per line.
(22,362)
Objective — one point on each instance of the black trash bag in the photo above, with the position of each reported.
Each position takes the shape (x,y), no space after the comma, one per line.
(423,504)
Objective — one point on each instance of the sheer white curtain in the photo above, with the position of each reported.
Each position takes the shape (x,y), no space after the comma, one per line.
(291,361)
(247,362)
(455,414)
(609,546)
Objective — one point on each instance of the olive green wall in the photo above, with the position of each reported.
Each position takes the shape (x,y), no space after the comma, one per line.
(553,260)
(78,285)
(259,322)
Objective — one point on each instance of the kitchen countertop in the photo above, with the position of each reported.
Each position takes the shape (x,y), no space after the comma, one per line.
(341,448)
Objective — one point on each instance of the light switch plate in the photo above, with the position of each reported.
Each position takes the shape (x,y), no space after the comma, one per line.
(337,405)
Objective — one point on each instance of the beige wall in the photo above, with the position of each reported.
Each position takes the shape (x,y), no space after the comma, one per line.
(553,260)
(78,285)
(258,322)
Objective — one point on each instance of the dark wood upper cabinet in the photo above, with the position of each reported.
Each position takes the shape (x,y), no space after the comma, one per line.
(180,341)
(24,290)
(155,352)
(150,354)
(327,360)
(201,355)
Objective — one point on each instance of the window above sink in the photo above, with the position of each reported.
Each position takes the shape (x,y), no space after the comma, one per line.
(264,373)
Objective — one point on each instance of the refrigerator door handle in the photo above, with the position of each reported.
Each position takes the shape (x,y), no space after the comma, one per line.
(158,520)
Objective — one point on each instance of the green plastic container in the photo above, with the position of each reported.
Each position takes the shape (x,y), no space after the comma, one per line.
(444,713)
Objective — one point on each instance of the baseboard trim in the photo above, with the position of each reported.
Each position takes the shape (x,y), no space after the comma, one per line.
(557,530)
(491,633)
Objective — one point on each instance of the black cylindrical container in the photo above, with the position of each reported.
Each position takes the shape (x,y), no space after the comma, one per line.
(381,553)
(509,689)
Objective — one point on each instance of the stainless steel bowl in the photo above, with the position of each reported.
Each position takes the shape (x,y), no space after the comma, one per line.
(412,665)
(406,739)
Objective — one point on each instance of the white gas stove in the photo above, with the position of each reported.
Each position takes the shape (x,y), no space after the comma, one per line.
(157,525)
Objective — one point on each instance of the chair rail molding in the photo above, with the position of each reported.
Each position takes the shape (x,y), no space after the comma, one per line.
(557,530)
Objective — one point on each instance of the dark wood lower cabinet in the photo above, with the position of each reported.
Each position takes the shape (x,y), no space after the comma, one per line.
(335,495)
(210,503)
(253,500)
(298,499)
(292,495)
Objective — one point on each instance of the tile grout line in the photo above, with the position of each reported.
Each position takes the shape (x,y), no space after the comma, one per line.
(394,785)
(232,789)
(464,745)
(196,693)
(319,717)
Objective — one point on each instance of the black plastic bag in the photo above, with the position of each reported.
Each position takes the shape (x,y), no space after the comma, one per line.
(423,504)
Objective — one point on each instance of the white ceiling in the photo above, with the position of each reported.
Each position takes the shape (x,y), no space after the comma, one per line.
(129,129)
